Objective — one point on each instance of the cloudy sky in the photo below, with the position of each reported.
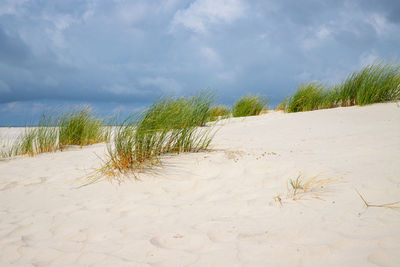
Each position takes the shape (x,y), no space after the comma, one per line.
(118,56)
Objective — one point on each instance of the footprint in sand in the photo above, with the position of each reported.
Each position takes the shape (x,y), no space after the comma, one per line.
(38,181)
(9,186)
(222,236)
(257,236)
(234,155)
(180,241)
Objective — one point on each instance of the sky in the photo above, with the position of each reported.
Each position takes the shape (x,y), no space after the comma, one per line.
(119,56)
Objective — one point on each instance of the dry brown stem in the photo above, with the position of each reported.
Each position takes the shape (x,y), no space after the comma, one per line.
(386,205)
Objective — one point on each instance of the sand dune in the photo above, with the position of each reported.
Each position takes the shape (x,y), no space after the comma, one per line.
(220,207)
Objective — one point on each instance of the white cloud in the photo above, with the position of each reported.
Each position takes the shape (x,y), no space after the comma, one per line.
(10,7)
(211,56)
(202,14)
(379,23)
(26,107)
(61,22)
(368,58)
(318,36)
(89,11)
(262,36)
(168,5)
(131,12)
(323,33)
(56,37)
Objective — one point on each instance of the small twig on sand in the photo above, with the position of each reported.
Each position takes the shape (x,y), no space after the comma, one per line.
(387,205)
(278,199)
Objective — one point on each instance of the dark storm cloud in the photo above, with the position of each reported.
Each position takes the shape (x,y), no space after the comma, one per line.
(119,53)
(13,50)
(390,8)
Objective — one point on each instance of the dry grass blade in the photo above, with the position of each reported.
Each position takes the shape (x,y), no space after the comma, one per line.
(312,187)
(386,205)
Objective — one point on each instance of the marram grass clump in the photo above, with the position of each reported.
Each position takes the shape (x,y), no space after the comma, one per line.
(308,97)
(219,112)
(170,125)
(373,84)
(200,107)
(34,140)
(248,106)
(80,127)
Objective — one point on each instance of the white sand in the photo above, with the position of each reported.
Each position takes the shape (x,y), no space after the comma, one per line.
(217,208)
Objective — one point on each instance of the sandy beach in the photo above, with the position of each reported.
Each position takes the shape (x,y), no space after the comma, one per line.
(225,207)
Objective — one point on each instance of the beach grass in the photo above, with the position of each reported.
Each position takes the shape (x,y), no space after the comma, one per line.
(169,125)
(24,144)
(374,83)
(248,106)
(331,98)
(34,140)
(283,104)
(45,135)
(80,127)
(219,112)
(5,149)
(200,107)
(308,97)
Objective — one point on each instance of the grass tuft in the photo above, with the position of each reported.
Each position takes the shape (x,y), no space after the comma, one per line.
(219,112)
(308,97)
(35,140)
(283,105)
(81,127)
(170,125)
(373,84)
(248,106)
(301,187)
